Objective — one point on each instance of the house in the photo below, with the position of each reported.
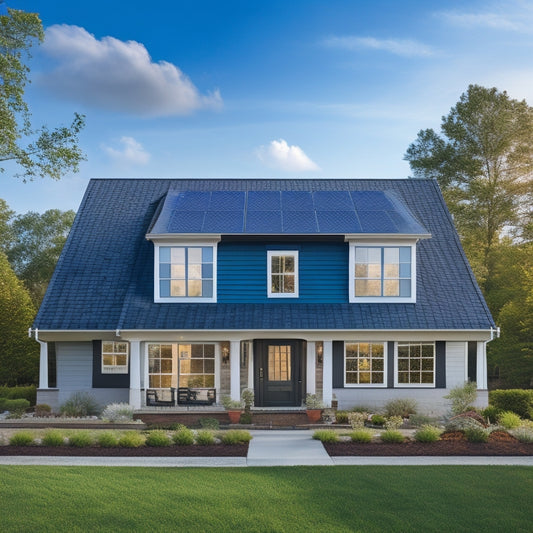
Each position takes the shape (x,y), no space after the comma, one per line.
(355,290)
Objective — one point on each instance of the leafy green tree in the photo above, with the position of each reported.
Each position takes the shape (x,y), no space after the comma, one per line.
(19,355)
(6,235)
(38,152)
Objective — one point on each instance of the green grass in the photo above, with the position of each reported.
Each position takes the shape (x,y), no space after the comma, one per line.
(292,499)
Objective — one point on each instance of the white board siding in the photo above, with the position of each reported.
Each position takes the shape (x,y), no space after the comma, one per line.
(456,363)
(74,365)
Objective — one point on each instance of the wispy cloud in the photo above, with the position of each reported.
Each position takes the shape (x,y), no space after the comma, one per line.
(289,158)
(131,153)
(118,75)
(400,47)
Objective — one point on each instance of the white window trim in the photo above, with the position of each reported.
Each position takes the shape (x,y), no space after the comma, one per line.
(381,299)
(116,369)
(368,385)
(184,299)
(295,294)
(415,385)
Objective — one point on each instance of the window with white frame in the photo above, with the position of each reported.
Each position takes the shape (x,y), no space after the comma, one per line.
(382,273)
(185,273)
(364,364)
(282,269)
(115,357)
(415,364)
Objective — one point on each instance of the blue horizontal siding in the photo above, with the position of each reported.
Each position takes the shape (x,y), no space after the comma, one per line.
(242,272)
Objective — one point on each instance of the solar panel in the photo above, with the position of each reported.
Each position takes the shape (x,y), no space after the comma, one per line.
(227,201)
(296,201)
(191,201)
(264,201)
(299,222)
(263,222)
(376,222)
(338,222)
(371,201)
(186,222)
(333,201)
(223,222)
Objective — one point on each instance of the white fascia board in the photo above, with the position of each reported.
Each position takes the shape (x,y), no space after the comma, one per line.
(386,238)
(183,237)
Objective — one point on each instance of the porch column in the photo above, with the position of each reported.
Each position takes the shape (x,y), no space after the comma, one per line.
(235,369)
(481,374)
(250,365)
(327,385)
(135,374)
(311,368)
(43,365)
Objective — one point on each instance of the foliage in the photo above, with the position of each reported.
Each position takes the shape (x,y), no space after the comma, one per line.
(177,426)
(107,439)
(509,420)
(523,434)
(45,153)
(341,417)
(231,405)
(326,435)
(17,406)
(183,437)
(42,410)
(422,420)
(403,407)
(312,401)
(28,393)
(427,433)
(21,438)
(393,422)
(236,436)
(53,437)
(80,404)
(462,397)
(357,420)
(158,437)
(205,437)
(477,434)
(131,439)
(118,412)
(246,418)
(209,423)
(248,396)
(392,436)
(80,439)
(490,413)
(462,423)
(378,420)
(516,400)
(361,435)
(19,355)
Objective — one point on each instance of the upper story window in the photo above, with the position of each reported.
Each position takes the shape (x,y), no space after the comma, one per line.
(114,357)
(185,273)
(382,273)
(282,269)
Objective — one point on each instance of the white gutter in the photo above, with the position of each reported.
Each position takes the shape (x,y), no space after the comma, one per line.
(43,360)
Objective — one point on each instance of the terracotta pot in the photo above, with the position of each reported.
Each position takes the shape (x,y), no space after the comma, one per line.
(234,416)
(314,415)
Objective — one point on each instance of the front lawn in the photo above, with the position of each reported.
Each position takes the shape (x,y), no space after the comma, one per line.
(358,498)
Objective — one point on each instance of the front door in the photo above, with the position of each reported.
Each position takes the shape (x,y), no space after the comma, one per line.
(278,373)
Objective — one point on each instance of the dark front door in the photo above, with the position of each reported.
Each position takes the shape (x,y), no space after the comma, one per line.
(278,372)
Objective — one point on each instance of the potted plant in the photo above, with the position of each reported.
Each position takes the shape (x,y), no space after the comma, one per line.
(234,409)
(313,408)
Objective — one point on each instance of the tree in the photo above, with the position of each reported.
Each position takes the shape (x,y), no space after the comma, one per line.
(19,355)
(40,152)
(483,161)
(6,235)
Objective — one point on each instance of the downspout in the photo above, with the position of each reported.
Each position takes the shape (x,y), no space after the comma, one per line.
(43,361)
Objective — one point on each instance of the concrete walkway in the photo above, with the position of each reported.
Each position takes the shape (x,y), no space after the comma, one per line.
(267,448)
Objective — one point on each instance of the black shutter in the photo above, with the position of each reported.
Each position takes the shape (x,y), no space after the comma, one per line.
(440,364)
(390,365)
(338,364)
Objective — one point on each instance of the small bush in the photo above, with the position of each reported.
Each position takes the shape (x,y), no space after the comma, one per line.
(14,393)
(80,439)
(490,413)
(53,437)
(463,422)
(118,412)
(236,436)
(477,434)
(403,407)
(325,435)
(392,436)
(183,437)
(509,420)
(107,439)
(176,426)
(357,419)
(205,437)
(21,438)
(246,418)
(462,397)
(16,406)
(422,420)
(427,434)
(209,423)
(523,434)
(361,435)
(360,409)
(378,420)
(158,437)
(79,404)
(131,439)
(519,401)
(341,417)
(42,410)
(393,422)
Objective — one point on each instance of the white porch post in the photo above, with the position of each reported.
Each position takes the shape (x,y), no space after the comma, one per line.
(481,374)
(235,369)
(135,374)
(327,385)
(311,368)
(43,365)
(250,365)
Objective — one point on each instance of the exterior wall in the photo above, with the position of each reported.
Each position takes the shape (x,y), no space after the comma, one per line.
(456,363)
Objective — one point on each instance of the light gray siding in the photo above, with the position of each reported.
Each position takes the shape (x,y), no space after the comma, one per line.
(456,354)
(74,365)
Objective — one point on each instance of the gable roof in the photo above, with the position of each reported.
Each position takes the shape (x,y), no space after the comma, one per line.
(104,277)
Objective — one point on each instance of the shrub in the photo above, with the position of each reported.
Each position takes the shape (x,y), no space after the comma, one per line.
(118,412)
(246,418)
(341,417)
(204,437)
(378,420)
(21,438)
(236,436)
(158,437)
(80,439)
(176,426)
(313,401)
(393,422)
(523,434)
(42,410)
(360,409)
(462,423)
(427,434)
(79,404)
(16,406)
(131,439)
(209,423)
(325,435)
(519,401)
(422,420)
(107,439)
(357,419)
(183,437)
(53,437)
(490,413)
(392,436)
(403,407)
(462,397)
(509,420)
(477,434)
(247,396)
(361,435)
(231,405)
(14,393)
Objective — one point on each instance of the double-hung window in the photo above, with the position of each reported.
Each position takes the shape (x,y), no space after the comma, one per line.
(365,364)
(415,364)
(282,269)
(114,357)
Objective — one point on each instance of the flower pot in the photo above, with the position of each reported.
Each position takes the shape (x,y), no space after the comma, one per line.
(234,416)
(314,415)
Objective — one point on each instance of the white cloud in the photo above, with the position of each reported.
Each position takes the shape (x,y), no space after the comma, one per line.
(279,155)
(132,152)
(400,47)
(118,75)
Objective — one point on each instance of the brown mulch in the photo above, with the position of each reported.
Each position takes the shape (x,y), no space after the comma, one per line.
(215,450)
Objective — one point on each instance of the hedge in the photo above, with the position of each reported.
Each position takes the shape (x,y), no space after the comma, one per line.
(14,393)
(519,401)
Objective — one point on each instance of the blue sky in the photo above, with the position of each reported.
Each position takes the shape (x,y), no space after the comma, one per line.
(260,89)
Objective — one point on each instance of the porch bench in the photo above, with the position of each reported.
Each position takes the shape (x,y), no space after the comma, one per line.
(161,396)
(196,396)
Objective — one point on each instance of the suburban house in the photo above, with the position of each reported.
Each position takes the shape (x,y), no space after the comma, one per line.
(175,292)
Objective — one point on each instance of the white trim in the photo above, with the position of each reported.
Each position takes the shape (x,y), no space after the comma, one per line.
(415,385)
(327,372)
(165,238)
(135,373)
(367,385)
(311,368)
(115,369)
(274,253)
(235,369)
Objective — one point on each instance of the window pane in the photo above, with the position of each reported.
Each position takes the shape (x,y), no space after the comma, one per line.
(166,366)
(166,351)
(177,288)
(391,255)
(415,364)
(108,360)
(427,364)
(177,255)
(351,350)
(391,287)
(377,377)
(405,270)
(209,366)
(155,382)
(403,364)
(405,254)
(209,350)
(377,364)
(164,270)
(195,288)
(367,288)
(197,351)
(391,271)
(403,377)
(288,263)
(276,284)
(351,365)
(194,255)
(164,254)
(107,347)
(364,377)
(207,271)
(197,366)
(164,289)
(121,347)
(377,350)
(288,286)
(361,255)
(207,289)
(207,254)
(405,288)
(122,360)
(275,264)
(428,350)
(185,366)
(361,270)
(153,350)
(177,271)
(195,271)
(374,255)
(166,382)
(209,380)
(427,377)
(374,270)
(351,378)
